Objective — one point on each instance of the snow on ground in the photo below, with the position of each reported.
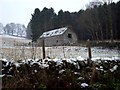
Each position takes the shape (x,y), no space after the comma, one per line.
(8,36)
(81,53)
(60,52)
(10,41)
(60,67)
(11,52)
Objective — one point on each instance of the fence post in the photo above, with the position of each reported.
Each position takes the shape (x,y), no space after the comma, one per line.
(23,51)
(43,48)
(32,50)
(89,51)
(64,51)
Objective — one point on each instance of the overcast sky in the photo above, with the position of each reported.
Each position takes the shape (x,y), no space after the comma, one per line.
(19,11)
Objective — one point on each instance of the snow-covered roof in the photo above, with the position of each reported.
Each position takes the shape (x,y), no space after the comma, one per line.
(55,32)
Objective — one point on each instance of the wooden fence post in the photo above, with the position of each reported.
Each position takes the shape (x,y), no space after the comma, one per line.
(64,52)
(89,51)
(33,50)
(43,48)
(23,52)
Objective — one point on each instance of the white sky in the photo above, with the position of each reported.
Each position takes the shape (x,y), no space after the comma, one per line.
(19,11)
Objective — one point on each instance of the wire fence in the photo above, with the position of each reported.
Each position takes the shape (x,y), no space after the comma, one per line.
(29,52)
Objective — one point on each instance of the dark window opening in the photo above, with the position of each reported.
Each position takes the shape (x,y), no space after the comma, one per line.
(57,41)
(69,35)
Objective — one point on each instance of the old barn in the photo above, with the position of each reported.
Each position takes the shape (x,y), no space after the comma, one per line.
(58,37)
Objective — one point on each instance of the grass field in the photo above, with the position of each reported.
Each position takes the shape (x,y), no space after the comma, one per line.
(21,52)
(17,48)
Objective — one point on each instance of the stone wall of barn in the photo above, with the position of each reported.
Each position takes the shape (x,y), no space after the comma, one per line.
(70,37)
(54,40)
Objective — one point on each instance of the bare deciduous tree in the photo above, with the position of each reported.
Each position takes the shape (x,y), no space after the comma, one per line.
(109,13)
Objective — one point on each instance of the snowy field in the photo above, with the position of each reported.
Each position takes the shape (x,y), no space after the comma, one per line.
(82,52)
(14,48)
(10,41)
(59,52)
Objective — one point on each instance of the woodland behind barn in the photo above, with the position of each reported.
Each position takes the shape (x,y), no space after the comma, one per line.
(97,22)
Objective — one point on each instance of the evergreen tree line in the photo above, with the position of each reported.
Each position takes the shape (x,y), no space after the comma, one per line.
(97,22)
